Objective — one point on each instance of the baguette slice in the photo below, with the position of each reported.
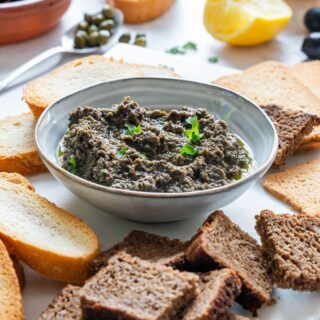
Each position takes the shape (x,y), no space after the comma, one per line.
(18,152)
(10,296)
(49,239)
(82,73)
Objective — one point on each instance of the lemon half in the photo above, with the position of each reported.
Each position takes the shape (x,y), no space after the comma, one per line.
(246,22)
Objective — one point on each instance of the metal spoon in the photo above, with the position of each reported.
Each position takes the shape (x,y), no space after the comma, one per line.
(66,46)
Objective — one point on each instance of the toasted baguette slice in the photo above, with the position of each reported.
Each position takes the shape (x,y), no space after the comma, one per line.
(49,239)
(17,179)
(79,74)
(10,297)
(18,152)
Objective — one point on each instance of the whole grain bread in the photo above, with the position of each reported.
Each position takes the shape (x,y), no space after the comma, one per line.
(18,151)
(292,244)
(130,288)
(146,246)
(298,186)
(82,73)
(10,296)
(292,127)
(218,290)
(65,306)
(220,243)
(49,239)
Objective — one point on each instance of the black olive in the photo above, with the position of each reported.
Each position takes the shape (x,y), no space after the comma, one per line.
(311,45)
(312,19)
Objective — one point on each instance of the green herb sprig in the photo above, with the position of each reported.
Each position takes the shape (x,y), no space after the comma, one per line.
(73,164)
(213,59)
(189,150)
(193,134)
(131,129)
(183,49)
(122,151)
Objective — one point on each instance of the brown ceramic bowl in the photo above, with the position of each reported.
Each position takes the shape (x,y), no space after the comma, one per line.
(26,19)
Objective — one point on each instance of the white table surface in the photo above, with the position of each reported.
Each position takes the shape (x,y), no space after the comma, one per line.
(181,24)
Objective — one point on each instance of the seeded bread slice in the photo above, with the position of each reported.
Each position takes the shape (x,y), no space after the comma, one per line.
(292,127)
(218,289)
(18,151)
(220,243)
(82,73)
(130,288)
(292,244)
(49,239)
(146,246)
(10,297)
(66,306)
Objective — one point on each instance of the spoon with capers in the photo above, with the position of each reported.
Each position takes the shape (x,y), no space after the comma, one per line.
(100,39)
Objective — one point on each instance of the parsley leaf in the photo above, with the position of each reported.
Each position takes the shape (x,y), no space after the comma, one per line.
(176,50)
(131,129)
(213,59)
(60,152)
(193,134)
(73,164)
(190,46)
(188,150)
(122,151)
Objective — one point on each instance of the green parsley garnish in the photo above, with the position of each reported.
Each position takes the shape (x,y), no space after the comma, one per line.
(131,129)
(122,151)
(183,49)
(60,152)
(213,59)
(189,150)
(193,134)
(73,164)
(190,46)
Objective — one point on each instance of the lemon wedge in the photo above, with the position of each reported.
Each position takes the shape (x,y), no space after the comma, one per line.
(246,22)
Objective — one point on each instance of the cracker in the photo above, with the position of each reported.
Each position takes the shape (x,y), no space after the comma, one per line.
(291,126)
(308,147)
(298,186)
(273,83)
(314,136)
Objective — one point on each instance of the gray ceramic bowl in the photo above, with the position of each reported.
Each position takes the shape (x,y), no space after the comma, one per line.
(243,117)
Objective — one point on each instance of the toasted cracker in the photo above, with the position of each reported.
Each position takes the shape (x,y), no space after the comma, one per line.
(298,186)
(308,147)
(291,126)
(314,136)
(273,83)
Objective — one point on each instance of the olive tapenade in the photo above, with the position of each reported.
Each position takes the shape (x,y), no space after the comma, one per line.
(131,147)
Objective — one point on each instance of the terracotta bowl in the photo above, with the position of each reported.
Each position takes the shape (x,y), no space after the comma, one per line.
(26,19)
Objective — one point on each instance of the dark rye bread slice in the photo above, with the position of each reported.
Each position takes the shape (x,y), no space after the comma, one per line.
(66,306)
(220,243)
(292,244)
(130,288)
(146,246)
(218,290)
(292,127)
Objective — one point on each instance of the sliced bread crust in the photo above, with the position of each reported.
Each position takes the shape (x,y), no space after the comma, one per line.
(50,240)
(10,296)
(79,74)
(18,151)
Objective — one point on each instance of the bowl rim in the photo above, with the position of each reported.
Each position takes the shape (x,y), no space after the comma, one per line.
(133,193)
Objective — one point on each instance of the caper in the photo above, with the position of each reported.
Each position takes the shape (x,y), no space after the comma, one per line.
(104,36)
(125,38)
(140,41)
(80,39)
(93,28)
(107,25)
(84,25)
(108,12)
(98,18)
(88,17)
(93,39)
